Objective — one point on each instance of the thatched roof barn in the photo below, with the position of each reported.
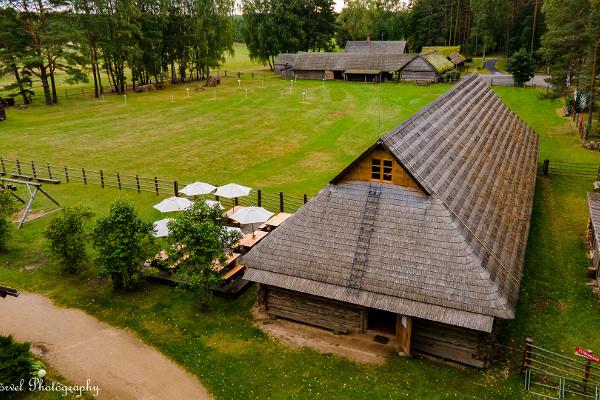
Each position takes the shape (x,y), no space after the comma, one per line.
(375,46)
(349,66)
(421,238)
(457,59)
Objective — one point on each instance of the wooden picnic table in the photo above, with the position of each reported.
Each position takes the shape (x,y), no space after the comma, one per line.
(275,221)
(217,266)
(248,241)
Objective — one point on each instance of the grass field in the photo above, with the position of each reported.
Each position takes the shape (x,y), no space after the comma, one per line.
(270,139)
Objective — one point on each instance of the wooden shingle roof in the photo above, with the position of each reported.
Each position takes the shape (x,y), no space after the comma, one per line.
(451,253)
(285,59)
(594,205)
(376,46)
(350,61)
(456,58)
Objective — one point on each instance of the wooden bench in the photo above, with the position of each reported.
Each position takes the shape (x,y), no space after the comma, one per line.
(237,268)
(48,180)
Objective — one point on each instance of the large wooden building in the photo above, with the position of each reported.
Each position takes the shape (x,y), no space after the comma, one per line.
(593,235)
(422,238)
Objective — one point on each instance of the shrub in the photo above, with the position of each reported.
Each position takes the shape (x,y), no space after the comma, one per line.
(123,242)
(522,67)
(452,75)
(7,208)
(198,239)
(68,235)
(16,362)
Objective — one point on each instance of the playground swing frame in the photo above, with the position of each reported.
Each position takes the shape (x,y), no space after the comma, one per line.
(32,190)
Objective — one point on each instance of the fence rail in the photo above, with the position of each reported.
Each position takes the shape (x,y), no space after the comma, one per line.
(48,173)
(559,376)
(548,167)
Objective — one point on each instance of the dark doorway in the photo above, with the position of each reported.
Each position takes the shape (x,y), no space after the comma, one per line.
(382,321)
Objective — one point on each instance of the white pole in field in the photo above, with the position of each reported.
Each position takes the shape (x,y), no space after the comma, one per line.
(214,94)
(281,92)
(125,98)
(102,96)
(323,82)
(246,91)
(303,96)
(172,98)
(188,91)
(239,82)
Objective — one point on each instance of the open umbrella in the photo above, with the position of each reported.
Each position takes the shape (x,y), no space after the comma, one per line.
(252,215)
(213,203)
(232,190)
(160,227)
(173,204)
(197,189)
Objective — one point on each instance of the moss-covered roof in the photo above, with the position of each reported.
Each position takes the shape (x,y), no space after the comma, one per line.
(439,62)
(443,50)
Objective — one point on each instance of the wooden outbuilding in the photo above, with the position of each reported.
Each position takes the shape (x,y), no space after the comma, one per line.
(362,67)
(593,233)
(421,239)
(428,67)
(283,65)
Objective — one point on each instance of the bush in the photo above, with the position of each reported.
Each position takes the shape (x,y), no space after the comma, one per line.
(16,362)
(198,238)
(7,208)
(68,236)
(522,67)
(452,75)
(123,242)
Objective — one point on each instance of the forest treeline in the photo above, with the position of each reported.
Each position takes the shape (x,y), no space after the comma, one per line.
(148,39)
(141,41)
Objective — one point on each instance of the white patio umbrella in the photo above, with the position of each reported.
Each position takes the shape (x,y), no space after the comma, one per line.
(214,203)
(160,227)
(252,215)
(173,204)
(233,229)
(232,190)
(197,189)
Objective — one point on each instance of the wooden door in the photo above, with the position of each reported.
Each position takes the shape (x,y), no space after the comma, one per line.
(403,333)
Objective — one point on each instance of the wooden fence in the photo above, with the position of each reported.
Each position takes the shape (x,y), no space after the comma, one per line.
(47,173)
(591,171)
(556,376)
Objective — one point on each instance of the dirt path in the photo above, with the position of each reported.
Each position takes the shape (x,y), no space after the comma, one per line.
(80,347)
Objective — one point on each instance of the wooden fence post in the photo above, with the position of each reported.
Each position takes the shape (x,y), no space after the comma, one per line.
(119,180)
(66,174)
(3,166)
(156,185)
(586,369)
(18,167)
(49,171)
(33,172)
(176,188)
(83,176)
(259,198)
(545,167)
(280,201)
(102,179)
(137,182)
(305,198)
(527,355)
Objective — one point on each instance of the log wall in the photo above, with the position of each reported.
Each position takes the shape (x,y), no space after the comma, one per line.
(418,69)
(319,75)
(462,345)
(313,310)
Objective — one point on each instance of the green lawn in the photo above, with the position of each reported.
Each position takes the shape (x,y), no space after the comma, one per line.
(276,142)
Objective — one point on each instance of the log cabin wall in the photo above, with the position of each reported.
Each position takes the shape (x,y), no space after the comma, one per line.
(319,75)
(418,69)
(362,170)
(462,345)
(313,310)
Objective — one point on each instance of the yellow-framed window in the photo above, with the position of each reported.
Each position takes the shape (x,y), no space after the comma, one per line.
(381,170)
